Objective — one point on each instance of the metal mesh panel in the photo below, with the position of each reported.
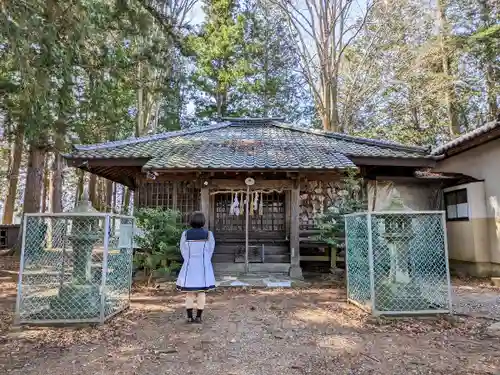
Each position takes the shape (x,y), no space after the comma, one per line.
(119,265)
(64,259)
(357,261)
(410,273)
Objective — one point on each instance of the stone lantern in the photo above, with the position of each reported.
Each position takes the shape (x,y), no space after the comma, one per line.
(398,234)
(85,233)
(81,297)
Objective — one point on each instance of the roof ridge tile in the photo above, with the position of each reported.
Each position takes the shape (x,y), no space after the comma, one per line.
(347,137)
(153,137)
(466,137)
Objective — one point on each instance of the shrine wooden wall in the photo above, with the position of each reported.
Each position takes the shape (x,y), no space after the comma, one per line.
(284,232)
(183,196)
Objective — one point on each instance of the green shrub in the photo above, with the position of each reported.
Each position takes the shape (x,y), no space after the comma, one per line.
(349,199)
(159,243)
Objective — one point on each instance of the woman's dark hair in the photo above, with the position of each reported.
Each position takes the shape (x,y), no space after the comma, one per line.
(197,220)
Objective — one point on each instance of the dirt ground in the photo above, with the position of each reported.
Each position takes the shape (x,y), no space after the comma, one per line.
(248,332)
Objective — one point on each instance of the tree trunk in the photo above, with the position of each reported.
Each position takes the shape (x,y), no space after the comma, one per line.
(34,179)
(92,190)
(57,183)
(449,95)
(58,166)
(126,201)
(489,68)
(140,103)
(79,186)
(13,176)
(334,117)
(109,196)
(33,189)
(101,195)
(115,197)
(491,92)
(46,184)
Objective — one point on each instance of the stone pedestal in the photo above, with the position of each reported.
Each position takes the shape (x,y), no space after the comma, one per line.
(296,272)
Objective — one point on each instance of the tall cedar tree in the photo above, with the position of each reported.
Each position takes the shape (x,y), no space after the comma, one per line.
(219,62)
(272,86)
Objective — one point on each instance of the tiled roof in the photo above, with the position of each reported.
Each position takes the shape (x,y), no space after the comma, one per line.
(247,145)
(466,137)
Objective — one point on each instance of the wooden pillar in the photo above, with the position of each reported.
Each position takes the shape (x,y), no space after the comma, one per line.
(333,258)
(295,270)
(287,212)
(205,205)
(211,213)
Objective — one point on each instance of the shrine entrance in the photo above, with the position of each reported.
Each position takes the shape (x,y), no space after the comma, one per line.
(250,233)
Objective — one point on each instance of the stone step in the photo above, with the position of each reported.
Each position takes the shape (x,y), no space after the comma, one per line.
(233,269)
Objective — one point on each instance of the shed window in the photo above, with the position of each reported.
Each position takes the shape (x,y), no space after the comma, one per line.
(457,207)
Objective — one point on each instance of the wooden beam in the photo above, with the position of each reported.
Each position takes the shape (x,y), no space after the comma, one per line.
(205,205)
(259,184)
(319,176)
(413,180)
(122,177)
(211,213)
(295,270)
(174,195)
(315,258)
(287,212)
(395,162)
(333,258)
(112,162)
(162,177)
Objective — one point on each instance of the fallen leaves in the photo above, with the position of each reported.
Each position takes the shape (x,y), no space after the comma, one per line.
(310,330)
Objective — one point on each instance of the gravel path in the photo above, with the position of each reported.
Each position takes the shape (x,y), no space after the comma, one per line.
(476,299)
(249,332)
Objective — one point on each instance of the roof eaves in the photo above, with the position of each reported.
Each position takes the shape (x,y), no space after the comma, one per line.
(466,137)
(154,137)
(361,140)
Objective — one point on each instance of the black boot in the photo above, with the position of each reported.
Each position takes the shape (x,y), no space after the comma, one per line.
(190,315)
(198,316)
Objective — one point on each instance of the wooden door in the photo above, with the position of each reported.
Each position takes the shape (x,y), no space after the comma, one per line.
(267,232)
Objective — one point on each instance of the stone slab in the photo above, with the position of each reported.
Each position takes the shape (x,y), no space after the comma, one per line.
(495,281)
(270,281)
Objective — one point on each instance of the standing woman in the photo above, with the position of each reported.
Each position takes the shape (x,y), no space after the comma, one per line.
(197,274)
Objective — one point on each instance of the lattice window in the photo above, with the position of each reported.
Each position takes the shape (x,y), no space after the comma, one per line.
(273,218)
(179,195)
(156,194)
(188,199)
(165,194)
(224,222)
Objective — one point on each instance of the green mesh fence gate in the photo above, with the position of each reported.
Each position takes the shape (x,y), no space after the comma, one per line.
(397,262)
(75,268)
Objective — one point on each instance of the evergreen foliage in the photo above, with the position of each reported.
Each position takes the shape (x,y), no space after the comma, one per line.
(159,241)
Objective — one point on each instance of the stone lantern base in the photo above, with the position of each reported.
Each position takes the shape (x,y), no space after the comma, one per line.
(77,301)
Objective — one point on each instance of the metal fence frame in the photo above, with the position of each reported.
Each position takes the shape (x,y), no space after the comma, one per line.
(102,313)
(371,307)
